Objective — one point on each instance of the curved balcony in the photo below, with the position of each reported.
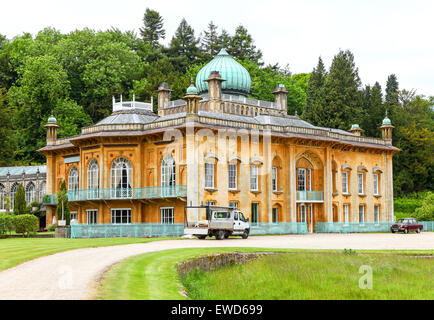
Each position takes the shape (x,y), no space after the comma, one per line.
(310,196)
(121,194)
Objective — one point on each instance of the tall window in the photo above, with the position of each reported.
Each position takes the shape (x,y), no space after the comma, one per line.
(30,193)
(301,180)
(92,179)
(168,172)
(209,175)
(255,212)
(167,216)
(361,214)
(275,215)
(121,178)
(73,180)
(376,184)
(377,214)
(345,182)
(42,190)
(232,176)
(74,217)
(361,183)
(14,189)
(346,213)
(274,178)
(303,213)
(121,216)
(2,197)
(92,216)
(254,183)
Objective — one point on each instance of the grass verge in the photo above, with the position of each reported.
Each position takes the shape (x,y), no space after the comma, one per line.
(303,274)
(14,251)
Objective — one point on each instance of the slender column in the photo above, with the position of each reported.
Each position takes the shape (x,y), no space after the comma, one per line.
(328,189)
(192,168)
(292,185)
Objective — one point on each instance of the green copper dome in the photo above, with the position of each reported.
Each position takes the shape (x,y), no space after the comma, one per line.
(192,90)
(387,121)
(237,77)
(355,126)
(52,119)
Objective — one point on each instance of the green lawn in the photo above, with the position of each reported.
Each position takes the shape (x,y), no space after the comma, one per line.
(302,274)
(17,250)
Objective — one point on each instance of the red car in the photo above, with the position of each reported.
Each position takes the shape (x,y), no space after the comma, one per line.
(406,225)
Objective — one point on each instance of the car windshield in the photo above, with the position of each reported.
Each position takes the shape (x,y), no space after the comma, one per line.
(242,217)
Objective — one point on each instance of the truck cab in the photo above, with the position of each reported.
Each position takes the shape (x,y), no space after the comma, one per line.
(221,222)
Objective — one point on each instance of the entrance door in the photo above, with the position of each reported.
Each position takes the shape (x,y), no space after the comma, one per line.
(303,213)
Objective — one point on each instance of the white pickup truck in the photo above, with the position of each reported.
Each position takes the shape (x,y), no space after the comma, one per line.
(221,222)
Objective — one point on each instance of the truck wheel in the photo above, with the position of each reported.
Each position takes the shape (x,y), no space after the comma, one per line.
(245,234)
(220,235)
(201,237)
(226,235)
(406,231)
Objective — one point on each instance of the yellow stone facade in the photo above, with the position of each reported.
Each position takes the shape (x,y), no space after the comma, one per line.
(300,168)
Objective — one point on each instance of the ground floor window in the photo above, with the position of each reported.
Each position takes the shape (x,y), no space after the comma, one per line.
(74,217)
(275,215)
(303,213)
(255,212)
(167,215)
(210,203)
(233,204)
(377,214)
(121,216)
(346,213)
(361,214)
(92,216)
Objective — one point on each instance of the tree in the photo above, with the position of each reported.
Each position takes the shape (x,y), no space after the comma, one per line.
(242,47)
(224,40)
(8,149)
(152,30)
(374,110)
(183,49)
(315,94)
(20,205)
(210,41)
(63,212)
(342,97)
(392,88)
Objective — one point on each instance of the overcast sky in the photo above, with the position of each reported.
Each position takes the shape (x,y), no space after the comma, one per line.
(385,36)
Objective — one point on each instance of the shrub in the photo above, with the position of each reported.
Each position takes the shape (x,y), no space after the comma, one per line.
(426,211)
(20,204)
(6,223)
(52,228)
(26,224)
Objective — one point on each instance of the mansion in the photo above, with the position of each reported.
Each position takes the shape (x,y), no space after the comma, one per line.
(218,147)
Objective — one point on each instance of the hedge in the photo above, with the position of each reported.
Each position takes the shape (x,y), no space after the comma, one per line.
(26,224)
(6,223)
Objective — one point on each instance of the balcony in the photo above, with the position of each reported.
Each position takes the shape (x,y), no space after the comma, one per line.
(121,194)
(310,196)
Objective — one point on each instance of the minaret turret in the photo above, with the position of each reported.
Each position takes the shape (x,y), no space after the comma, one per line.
(386,130)
(51,130)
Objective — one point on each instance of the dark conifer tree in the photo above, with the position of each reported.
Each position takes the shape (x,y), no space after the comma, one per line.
(373,110)
(242,47)
(152,30)
(342,106)
(392,90)
(210,41)
(183,50)
(315,94)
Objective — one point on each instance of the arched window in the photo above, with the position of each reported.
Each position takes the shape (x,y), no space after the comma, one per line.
(121,178)
(42,190)
(92,179)
(14,189)
(30,193)
(2,197)
(168,172)
(73,180)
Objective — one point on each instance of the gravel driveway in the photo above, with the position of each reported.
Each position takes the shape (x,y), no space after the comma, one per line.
(74,274)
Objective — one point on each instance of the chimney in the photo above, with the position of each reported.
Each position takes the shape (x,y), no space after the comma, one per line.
(281,97)
(164,93)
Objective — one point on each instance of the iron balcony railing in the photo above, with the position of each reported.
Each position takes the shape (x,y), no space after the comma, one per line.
(121,193)
(310,196)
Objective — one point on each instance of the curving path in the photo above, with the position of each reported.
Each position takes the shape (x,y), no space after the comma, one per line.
(74,274)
